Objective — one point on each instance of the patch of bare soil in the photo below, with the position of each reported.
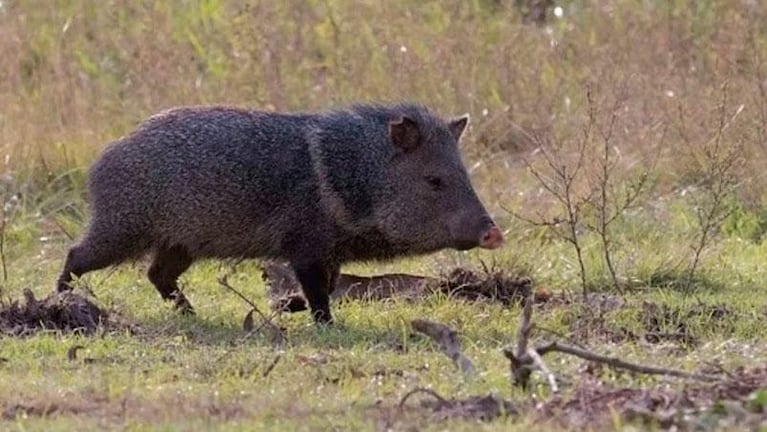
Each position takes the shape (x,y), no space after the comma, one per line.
(492,285)
(422,407)
(484,408)
(592,319)
(709,399)
(739,401)
(657,317)
(730,402)
(66,311)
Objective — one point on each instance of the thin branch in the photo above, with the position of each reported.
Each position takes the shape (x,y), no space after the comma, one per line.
(541,365)
(545,183)
(524,328)
(604,202)
(2,240)
(429,392)
(561,186)
(271,366)
(520,361)
(618,363)
(526,359)
(266,320)
(719,183)
(224,281)
(559,334)
(61,228)
(540,222)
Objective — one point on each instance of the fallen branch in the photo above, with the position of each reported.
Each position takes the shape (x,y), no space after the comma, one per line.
(522,363)
(525,360)
(558,334)
(448,340)
(618,363)
(538,361)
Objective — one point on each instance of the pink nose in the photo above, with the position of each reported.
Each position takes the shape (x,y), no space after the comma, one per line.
(492,239)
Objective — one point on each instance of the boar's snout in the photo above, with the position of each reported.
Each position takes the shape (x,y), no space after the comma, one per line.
(483,233)
(492,238)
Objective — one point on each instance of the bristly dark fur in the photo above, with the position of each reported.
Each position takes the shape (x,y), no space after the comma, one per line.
(315,189)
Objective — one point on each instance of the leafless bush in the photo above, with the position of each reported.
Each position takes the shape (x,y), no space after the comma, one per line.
(718,161)
(589,193)
(560,180)
(611,196)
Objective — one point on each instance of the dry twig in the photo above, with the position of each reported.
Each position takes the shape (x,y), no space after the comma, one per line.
(430,392)
(538,361)
(271,366)
(524,360)
(279,335)
(448,340)
(618,363)
(62,228)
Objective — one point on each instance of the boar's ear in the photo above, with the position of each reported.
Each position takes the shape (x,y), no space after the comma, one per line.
(404,133)
(458,125)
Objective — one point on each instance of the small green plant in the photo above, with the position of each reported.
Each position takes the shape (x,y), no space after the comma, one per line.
(757,402)
(745,223)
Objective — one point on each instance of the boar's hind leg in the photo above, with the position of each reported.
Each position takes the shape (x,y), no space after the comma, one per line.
(169,263)
(95,252)
(317,282)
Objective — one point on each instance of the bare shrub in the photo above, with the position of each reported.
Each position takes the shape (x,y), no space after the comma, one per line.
(588,193)
(717,165)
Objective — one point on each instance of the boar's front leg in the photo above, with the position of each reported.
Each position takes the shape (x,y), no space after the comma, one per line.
(318,280)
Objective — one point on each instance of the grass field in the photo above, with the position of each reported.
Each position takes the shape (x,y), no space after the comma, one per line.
(619,146)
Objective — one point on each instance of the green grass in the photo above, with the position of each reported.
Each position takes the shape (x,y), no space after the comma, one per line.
(203,373)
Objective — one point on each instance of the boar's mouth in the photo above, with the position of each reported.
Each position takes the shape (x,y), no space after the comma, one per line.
(464,245)
(492,238)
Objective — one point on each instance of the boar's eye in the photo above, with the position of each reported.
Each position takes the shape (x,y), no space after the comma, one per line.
(436,183)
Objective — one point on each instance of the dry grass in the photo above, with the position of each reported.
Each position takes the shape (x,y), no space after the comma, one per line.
(79,74)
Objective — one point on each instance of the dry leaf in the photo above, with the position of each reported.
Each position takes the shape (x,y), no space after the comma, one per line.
(247,324)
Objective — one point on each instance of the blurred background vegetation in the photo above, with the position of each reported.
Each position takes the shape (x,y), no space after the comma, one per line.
(680,85)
